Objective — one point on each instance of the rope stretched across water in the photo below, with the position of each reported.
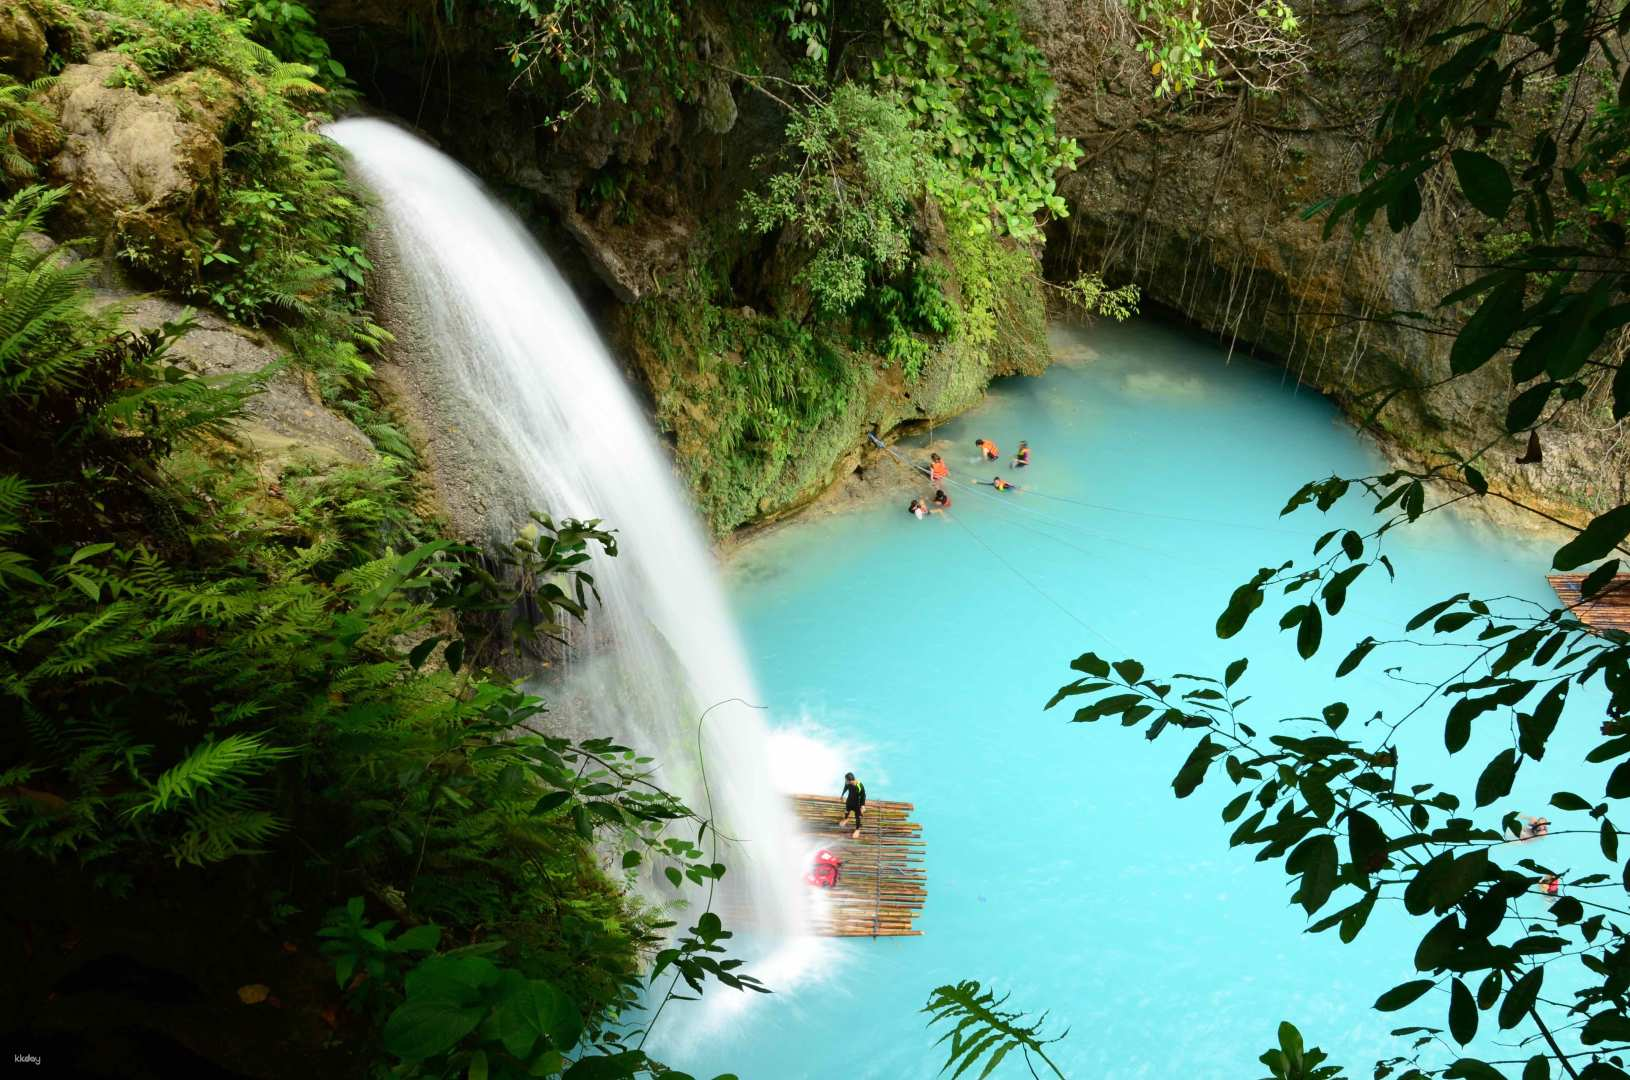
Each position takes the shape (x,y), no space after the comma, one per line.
(998,557)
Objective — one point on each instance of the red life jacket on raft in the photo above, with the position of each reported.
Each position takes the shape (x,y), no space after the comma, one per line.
(824,873)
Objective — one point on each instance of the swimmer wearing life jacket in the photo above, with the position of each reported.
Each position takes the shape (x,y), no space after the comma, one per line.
(988,448)
(1002,485)
(942,503)
(1023,458)
(918,508)
(937,470)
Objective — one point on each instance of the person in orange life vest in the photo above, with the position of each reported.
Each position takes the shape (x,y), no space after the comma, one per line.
(987,448)
(942,502)
(1024,455)
(918,508)
(854,801)
(1002,485)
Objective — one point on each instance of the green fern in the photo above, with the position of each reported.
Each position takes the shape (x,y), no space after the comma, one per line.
(22,119)
(212,765)
(983,1030)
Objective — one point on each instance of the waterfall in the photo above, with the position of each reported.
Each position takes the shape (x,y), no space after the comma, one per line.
(525,390)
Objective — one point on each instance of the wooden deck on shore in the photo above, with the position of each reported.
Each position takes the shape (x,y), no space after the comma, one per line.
(884,882)
(1609,610)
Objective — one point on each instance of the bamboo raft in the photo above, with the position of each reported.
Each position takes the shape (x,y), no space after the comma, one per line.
(1609,610)
(883,883)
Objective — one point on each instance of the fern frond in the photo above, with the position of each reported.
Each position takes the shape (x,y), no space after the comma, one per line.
(983,1030)
(211,765)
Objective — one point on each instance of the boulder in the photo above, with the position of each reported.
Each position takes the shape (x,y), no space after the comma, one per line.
(22,44)
(285,422)
(144,169)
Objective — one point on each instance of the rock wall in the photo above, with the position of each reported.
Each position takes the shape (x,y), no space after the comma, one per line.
(1203,205)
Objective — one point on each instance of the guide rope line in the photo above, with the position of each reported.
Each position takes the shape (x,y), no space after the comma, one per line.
(1170,517)
(1006,504)
(1088,627)
(1190,559)
(998,557)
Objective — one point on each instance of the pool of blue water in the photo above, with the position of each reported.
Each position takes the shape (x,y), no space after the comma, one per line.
(1061,867)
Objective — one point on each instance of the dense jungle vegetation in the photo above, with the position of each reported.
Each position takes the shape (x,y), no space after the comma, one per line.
(262,693)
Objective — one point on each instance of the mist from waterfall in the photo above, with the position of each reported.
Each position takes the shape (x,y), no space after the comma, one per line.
(508,337)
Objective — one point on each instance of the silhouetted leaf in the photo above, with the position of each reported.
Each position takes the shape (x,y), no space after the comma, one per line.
(1402,995)
(1308,632)
(1356,657)
(1520,998)
(1526,406)
(1489,328)
(1194,768)
(1598,538)
(1462,1013)
(1495,782)
(1598,579)
(1483,181)
(1366,843)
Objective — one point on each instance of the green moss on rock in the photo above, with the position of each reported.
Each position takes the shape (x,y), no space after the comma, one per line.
(766,411)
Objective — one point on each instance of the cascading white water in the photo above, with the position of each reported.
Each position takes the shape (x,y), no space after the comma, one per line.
(543,400)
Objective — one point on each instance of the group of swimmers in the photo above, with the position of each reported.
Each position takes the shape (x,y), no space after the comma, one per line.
(938,472)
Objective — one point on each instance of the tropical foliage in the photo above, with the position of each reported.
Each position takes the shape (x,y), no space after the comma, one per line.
(208,669)
(1221,47)
(983,99)
(857,169)
(630,54)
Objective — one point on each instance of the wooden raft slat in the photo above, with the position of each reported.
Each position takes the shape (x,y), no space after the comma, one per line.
(884,882)
(1609,610)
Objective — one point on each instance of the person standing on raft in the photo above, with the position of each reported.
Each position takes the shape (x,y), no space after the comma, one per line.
(854,801)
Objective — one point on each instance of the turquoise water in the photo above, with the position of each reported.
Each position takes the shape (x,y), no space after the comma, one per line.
(1061,867)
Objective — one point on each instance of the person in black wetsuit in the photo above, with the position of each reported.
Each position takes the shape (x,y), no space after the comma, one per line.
(854,800)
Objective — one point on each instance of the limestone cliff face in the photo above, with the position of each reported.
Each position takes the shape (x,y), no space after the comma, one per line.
(1203,207)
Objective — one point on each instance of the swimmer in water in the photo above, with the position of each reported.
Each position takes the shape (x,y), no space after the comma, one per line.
(1023,457)
(988,448)
(918,508)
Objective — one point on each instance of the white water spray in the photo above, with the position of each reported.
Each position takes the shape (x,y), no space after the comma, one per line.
(552,414)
